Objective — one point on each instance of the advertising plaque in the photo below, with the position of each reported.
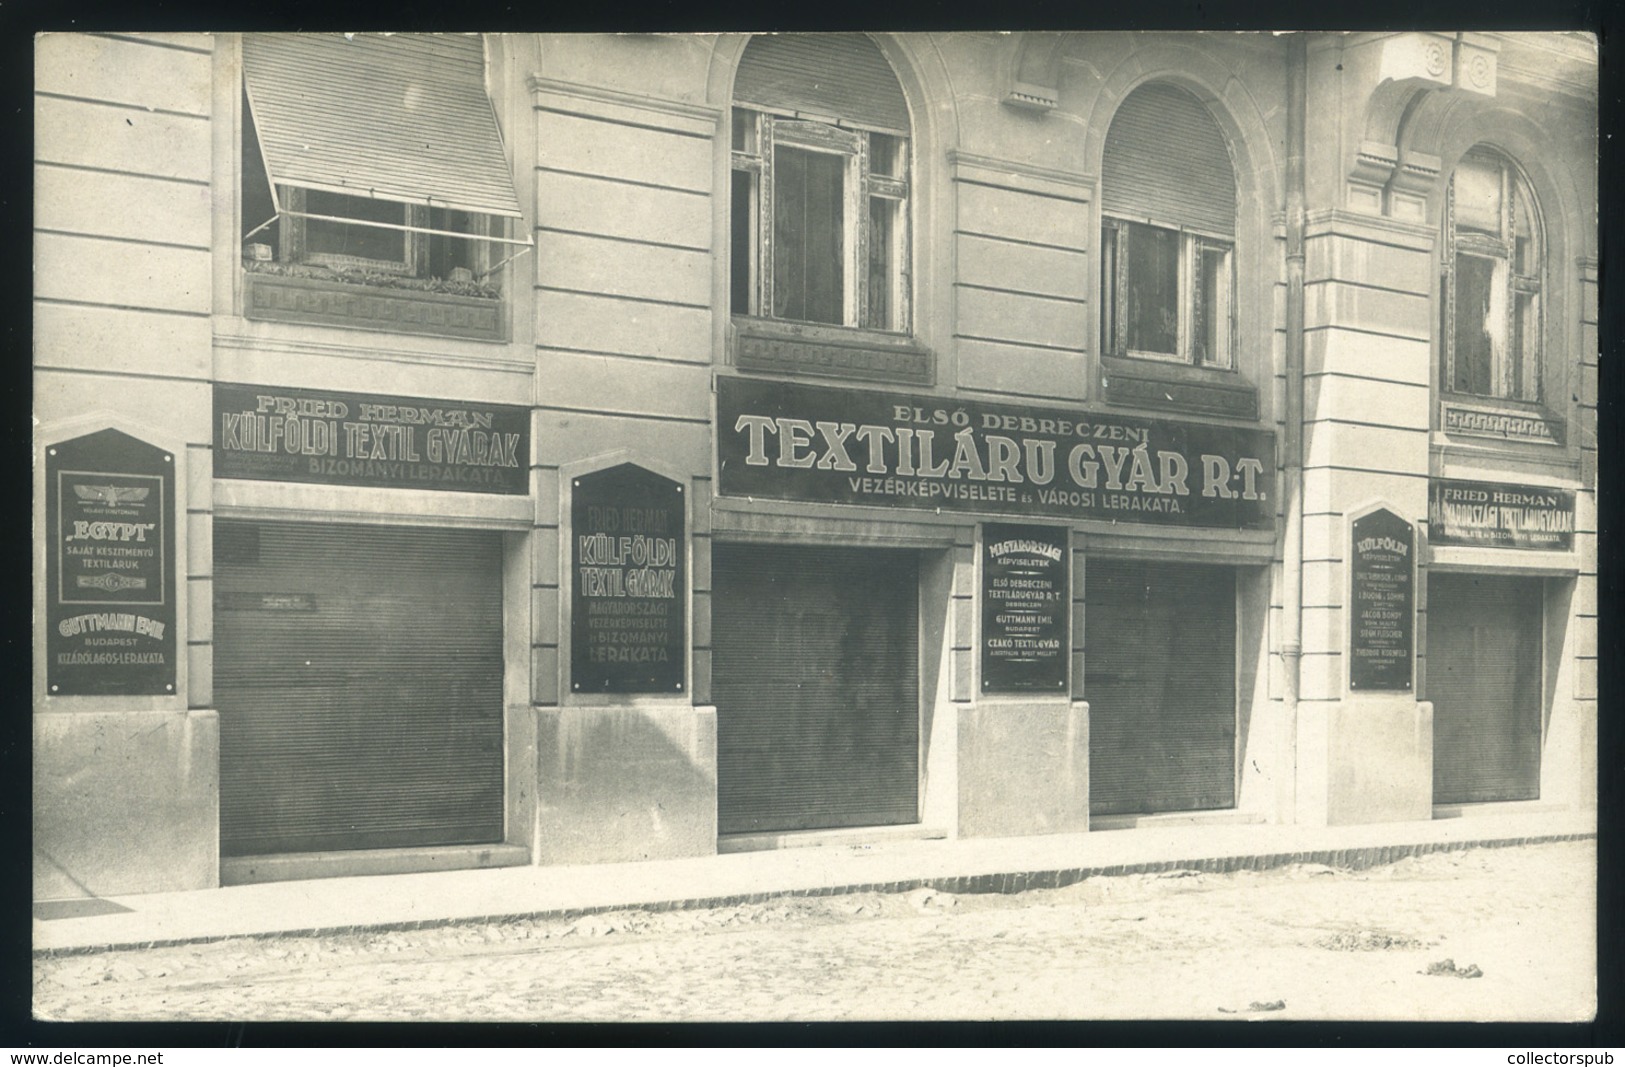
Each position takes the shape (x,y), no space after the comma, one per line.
(627,606)
(1382,611)
(110,567)
(1026,602)
(879,449)
(1496,515)
(272,433)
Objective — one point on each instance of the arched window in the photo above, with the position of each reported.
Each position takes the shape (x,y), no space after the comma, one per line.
(819,227)
(1490,318)
(1168,224)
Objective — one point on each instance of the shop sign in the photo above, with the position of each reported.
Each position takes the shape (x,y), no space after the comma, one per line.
(879,449)
(1496,515)
(110,567)
(1026,601)
(273,433)
(1382,623)
(627,606)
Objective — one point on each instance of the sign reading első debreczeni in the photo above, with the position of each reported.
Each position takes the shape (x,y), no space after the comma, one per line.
(1494,515)
(882,449)
(273,433)
(110,567)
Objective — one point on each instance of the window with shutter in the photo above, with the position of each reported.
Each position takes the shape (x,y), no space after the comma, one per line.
(373,160)
(1168,206)
(1490,289)
(819,228)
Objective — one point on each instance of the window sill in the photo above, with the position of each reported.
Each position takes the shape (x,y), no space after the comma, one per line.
(1466,415)
(1150,384)
(829,352)
(319,302)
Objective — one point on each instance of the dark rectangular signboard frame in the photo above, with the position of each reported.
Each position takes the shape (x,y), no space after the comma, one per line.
(628,582)
(110,567)
(327,437)
(783,441)
(1382,603)
(1026,595)
(1500,515)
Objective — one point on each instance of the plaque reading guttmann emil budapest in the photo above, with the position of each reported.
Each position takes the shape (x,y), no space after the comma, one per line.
(110,567)
(1382,613)
(627,608)
(1025,604)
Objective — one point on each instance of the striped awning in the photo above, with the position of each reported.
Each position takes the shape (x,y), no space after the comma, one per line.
(399,117)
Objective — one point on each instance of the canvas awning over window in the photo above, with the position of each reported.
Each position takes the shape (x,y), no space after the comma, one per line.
(402,117)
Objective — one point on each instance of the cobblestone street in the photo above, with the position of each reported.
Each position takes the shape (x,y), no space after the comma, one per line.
(1299,942)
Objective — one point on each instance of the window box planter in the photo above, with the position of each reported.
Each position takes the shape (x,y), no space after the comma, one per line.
(323,302)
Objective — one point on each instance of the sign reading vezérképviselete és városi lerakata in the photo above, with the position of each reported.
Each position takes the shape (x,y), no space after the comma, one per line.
(1496,515)
(110,567)
(627,606)
(1026,601)
(884,449)
(273,433)
(1382,568)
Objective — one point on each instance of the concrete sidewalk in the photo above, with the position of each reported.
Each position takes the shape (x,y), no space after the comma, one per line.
(335,905)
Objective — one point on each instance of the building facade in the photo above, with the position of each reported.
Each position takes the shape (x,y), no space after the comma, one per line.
(461,451)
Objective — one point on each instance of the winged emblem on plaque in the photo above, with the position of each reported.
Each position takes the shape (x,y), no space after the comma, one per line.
(112,494)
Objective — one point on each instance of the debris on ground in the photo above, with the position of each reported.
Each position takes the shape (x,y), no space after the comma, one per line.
(1257,1005)
(1448,969)
(1368,941)
(926,898)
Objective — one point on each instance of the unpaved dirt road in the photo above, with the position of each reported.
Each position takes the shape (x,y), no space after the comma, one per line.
(1318,942)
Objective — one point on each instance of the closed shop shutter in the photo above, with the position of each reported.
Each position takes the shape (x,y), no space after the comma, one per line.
(815,677)
(358,673)
(1484,679)
(1159,673)
(823,75)
(1166,162)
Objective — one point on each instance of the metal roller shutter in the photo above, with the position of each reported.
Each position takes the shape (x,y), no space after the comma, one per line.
(358,673)
(1166,162)
(1484,679)
(825,75)
(1160,678)
(815,678)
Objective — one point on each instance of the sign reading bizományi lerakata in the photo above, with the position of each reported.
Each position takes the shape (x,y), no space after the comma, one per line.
(1496,515)
(1026,601)
(883,449)
(273,433)
(627,602)
(110,567)
(1382,570)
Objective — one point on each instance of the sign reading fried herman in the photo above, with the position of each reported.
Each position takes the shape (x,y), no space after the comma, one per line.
(627,606)
(1493,515)
(272,433)
(1382,622)
(896,450)
(1026,600)
(110,567)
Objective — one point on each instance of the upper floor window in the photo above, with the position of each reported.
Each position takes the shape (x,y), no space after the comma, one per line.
(374,160)
(819,211)
(1168,222)
(1491,286)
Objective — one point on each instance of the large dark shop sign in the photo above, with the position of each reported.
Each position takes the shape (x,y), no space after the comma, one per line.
(627,602)
(846,446)
(1493,515)
(110,567)
(272,433)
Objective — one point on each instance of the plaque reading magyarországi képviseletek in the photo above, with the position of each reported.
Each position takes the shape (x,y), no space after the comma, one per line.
(1026,600)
